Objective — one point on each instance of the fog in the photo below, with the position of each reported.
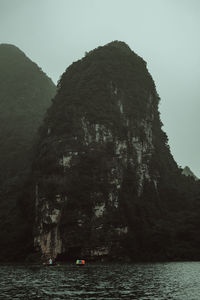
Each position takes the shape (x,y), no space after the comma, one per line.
(54,33)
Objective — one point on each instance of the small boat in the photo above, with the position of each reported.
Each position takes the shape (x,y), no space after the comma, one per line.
(80,262)
(47,264)
(51,265)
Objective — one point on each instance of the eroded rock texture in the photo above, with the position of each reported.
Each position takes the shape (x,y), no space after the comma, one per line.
(97,171)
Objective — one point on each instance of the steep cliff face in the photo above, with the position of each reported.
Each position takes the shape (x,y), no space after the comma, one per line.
(100,159)
(25,94)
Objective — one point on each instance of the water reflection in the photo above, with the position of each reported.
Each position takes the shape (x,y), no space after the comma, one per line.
(160,281)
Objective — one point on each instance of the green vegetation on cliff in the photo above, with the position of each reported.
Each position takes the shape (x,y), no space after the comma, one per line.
(102,151)
(103,178)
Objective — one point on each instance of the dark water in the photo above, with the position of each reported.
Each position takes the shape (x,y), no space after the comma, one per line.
(158,281)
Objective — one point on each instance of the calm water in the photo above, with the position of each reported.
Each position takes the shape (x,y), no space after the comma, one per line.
(102,281)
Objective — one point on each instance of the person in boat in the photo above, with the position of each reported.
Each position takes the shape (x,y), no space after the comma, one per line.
(50,261)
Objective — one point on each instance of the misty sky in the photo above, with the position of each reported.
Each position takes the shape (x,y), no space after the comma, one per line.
(166,33)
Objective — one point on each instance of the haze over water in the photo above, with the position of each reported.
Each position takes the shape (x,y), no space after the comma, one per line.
(145,281)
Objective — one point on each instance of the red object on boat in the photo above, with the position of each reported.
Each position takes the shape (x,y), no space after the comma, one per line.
(80,262)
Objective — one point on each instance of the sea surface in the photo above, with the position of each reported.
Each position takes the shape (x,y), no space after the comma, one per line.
(144,281)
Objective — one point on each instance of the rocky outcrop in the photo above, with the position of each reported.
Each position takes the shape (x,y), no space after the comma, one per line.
(96,155)
(187,172)
(47,237)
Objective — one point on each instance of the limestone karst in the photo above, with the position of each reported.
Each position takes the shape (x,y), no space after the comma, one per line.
(106,181)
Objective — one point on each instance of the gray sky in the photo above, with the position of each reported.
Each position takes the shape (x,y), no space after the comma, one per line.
(54,33)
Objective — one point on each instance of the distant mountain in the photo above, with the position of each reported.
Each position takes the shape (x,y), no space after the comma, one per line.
(25,95)
(187,172)
(105,182)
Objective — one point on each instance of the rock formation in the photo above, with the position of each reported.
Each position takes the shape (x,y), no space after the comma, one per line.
(103,173)
(187,172)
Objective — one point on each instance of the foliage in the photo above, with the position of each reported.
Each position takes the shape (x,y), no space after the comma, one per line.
(163,221)
(158,219)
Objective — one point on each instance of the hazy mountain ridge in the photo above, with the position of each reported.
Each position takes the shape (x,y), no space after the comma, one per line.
(25,94)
